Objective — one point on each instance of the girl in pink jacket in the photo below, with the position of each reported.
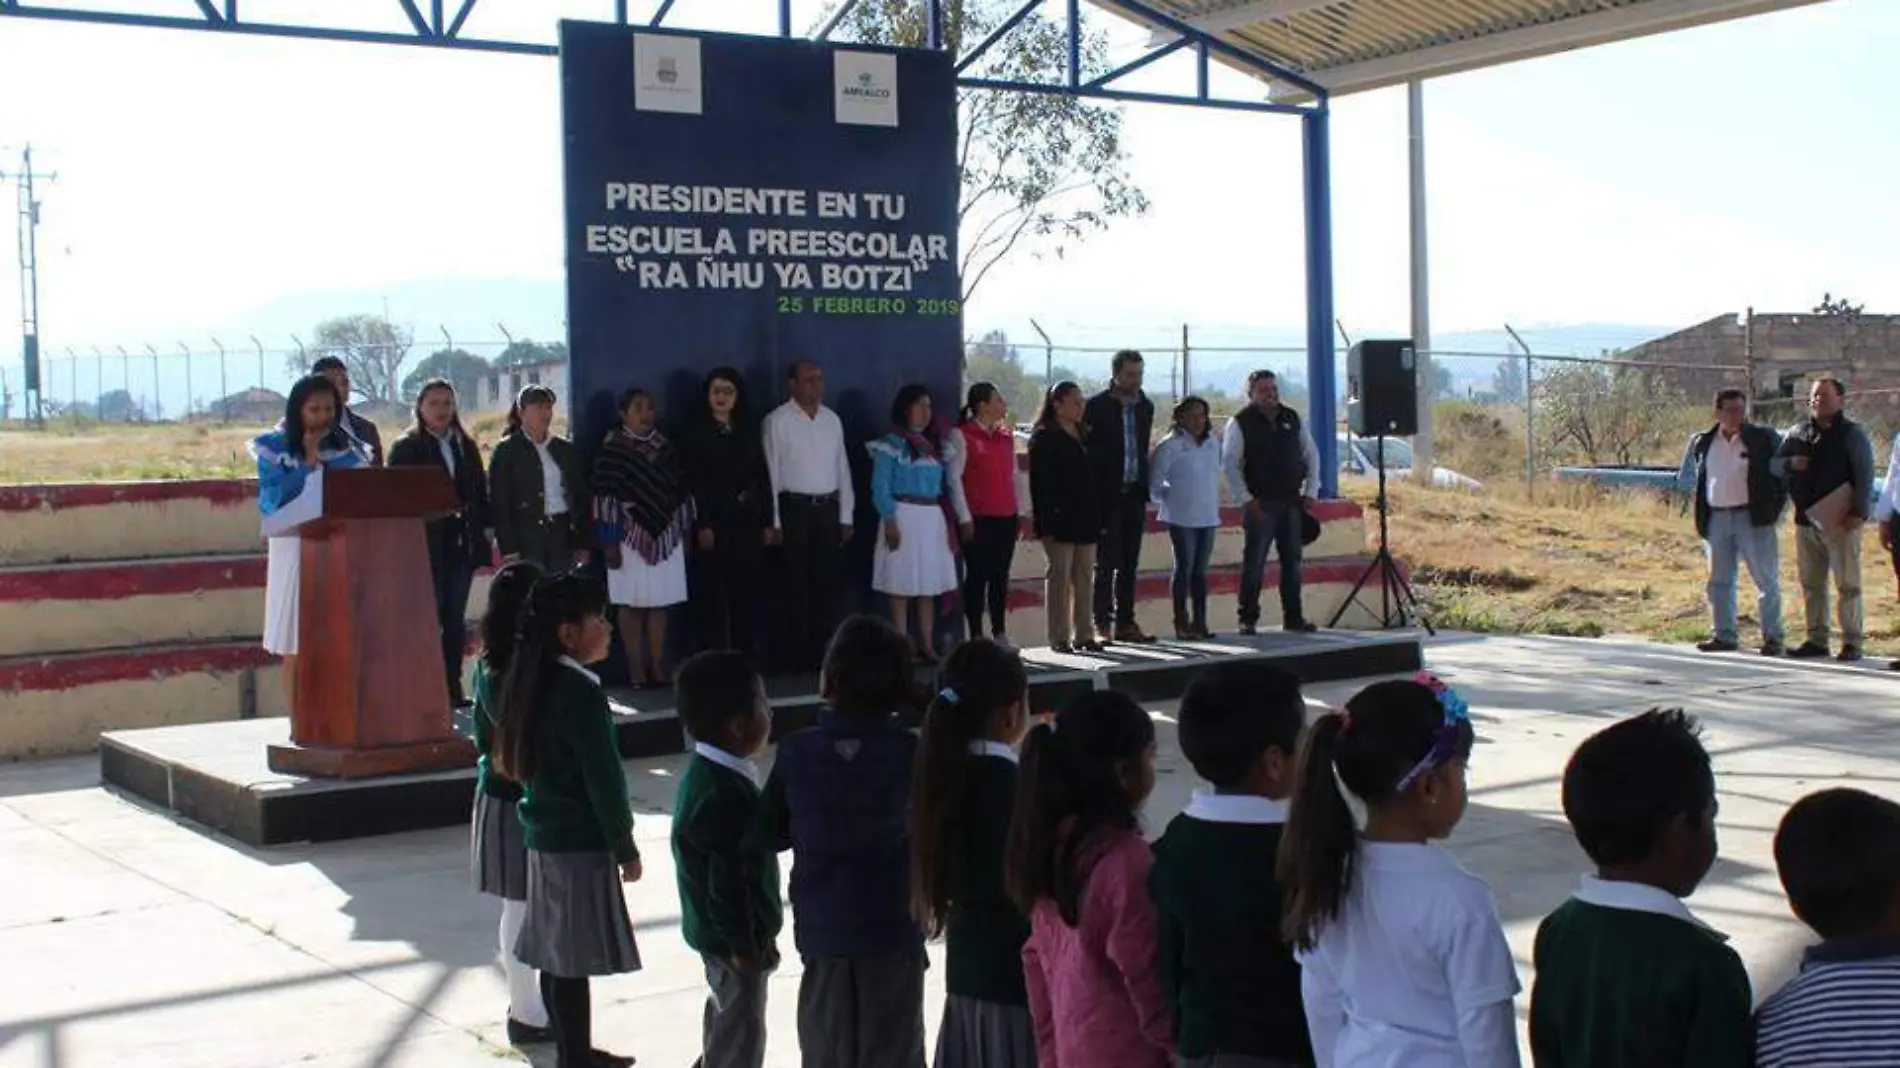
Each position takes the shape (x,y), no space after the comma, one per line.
(1078,867)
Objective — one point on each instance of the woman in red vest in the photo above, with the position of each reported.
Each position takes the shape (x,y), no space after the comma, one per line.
(981,454)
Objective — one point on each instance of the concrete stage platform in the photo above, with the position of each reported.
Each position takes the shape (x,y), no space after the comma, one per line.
(214,774)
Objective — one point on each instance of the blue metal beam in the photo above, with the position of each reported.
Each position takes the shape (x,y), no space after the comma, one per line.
(784,18)
(415,18)
(210,13)
(461,16)
(660,15)
(1140,11)
(14,8)
(1002,30)
(933,25)
(1154,55)
(1321,359)
(1075,43)
(837,16)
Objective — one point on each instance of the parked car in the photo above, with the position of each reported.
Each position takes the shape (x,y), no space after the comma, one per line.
(1356,457)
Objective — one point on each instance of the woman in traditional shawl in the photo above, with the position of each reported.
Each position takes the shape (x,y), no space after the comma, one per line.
(643,513)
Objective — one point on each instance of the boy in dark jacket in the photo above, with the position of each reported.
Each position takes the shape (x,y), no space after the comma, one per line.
(1229,973)
(730,910)
(838,798)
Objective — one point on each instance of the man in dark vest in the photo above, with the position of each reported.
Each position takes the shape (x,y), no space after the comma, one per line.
(1272,467)
(1740,491)
(1831,478)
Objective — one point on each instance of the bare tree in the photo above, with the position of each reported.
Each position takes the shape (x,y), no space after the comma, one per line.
(1845,317)
(371,347)
(1039,172)
(1617,413)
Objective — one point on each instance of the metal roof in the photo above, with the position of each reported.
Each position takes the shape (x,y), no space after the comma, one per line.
(1347,46)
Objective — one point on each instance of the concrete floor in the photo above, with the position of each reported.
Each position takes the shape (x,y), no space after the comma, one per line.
(130,939)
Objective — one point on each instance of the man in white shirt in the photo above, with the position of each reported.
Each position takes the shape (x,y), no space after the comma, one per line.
(1740,490)
(813,506)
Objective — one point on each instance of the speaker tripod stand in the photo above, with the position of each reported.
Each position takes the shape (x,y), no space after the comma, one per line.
(1398,603)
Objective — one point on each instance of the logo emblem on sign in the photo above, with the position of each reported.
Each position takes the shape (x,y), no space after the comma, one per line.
(669,70)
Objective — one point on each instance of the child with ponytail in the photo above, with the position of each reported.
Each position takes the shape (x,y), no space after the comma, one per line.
(1078,868)
(1403,956)
(961,798)
(556,738)
(500,857)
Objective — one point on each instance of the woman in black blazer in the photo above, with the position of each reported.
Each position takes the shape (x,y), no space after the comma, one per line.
(458,543)
(1067,503)
(725,464)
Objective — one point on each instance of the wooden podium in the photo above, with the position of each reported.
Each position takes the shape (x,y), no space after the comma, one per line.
(367,695)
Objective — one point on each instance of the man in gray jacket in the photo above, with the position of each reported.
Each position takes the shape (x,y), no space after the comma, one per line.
(1826,453)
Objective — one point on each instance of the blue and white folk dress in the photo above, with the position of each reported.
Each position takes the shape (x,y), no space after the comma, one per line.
(281,474)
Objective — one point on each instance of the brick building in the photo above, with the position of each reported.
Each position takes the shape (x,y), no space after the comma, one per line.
(1782,353)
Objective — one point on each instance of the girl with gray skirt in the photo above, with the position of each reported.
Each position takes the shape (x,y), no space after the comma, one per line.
(498,854)
(962,799)
(557,739)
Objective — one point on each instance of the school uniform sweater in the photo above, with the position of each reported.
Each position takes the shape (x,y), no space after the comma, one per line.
(729,891)
(576,800)
(487,779)
(1842,1010)
(984,941)
(1627,977)
(839,799)
(1229,975)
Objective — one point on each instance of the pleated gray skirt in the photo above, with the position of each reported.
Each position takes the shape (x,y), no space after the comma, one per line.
(577,923)
(985,1034)
(497,852)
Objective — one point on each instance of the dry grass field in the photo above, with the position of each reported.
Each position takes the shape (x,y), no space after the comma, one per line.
(1573,562)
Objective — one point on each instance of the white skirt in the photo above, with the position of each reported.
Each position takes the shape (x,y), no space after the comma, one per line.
(638,584)
(922,565)
(282,574)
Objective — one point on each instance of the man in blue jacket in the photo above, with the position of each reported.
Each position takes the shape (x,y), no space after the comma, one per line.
(1740,491)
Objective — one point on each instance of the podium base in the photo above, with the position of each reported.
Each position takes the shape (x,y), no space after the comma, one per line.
(448,754)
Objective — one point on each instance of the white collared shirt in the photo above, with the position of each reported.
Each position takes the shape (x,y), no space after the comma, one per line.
(985,747)
(446,442)
(726,760)
(582,668)
(1234,808)
(804,454)
(1638,897)
(553,484)
(1726,470)
(1416,948)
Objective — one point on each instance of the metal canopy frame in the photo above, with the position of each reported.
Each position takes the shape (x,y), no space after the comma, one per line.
(440,23)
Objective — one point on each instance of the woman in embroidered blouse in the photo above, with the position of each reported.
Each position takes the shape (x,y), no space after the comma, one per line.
(308,439)
(643,514)
(915,557)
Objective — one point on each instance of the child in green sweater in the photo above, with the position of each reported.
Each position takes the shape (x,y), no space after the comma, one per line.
(961,800)
(1627,976)
(557,740)
(500,859)
(1225,965)
(730,910)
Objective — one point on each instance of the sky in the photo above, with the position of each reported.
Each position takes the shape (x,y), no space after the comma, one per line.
(204,179)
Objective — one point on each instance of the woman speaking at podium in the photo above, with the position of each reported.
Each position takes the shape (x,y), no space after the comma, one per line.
(308,439)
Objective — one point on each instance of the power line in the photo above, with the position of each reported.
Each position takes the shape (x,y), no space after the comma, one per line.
(29,286)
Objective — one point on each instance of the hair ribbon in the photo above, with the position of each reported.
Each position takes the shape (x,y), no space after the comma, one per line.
(1457,714)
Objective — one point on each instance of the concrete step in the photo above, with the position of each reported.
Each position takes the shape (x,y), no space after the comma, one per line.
(51,608)
(52,705)
(127,520)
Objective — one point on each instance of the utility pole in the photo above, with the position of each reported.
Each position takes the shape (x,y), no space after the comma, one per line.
(30,283)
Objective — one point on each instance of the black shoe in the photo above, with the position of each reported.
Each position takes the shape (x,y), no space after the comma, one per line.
(521,1034)
(1893,665)
(1300,626)
(603,1059)
(1773,647)
(1849,654)
(1717,645)
(1248,630)
(1808,651)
